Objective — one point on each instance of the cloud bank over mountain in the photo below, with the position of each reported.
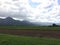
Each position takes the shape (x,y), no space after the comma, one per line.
(31,10)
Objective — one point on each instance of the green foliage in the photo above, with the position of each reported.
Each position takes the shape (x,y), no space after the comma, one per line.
(22,40)
(54,25)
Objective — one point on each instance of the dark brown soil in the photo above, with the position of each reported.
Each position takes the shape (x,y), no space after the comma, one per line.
(33,33)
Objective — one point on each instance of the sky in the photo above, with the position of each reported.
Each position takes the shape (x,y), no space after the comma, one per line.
(31,10)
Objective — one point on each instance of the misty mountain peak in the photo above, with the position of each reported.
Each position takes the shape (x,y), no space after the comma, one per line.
(11,21)
(9,18)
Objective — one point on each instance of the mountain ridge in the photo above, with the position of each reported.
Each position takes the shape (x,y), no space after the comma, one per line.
(11,21)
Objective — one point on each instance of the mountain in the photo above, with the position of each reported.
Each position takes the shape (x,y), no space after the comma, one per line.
(11,21)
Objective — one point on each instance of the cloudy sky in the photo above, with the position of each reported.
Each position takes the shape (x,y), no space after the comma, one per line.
(31,10)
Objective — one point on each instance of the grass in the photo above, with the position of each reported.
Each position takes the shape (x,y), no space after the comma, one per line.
(30,27)
(23,40)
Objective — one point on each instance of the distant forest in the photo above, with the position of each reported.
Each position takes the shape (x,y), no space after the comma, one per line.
(54,25)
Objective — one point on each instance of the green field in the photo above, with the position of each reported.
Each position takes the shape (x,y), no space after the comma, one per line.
(22,40)
(6,39)
(30,27)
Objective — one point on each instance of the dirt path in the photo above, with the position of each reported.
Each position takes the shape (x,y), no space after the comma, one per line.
(38,33)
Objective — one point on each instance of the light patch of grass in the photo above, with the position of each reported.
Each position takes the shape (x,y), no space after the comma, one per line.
(23,40)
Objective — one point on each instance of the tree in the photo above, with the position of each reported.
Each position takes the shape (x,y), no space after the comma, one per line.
(54,24)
